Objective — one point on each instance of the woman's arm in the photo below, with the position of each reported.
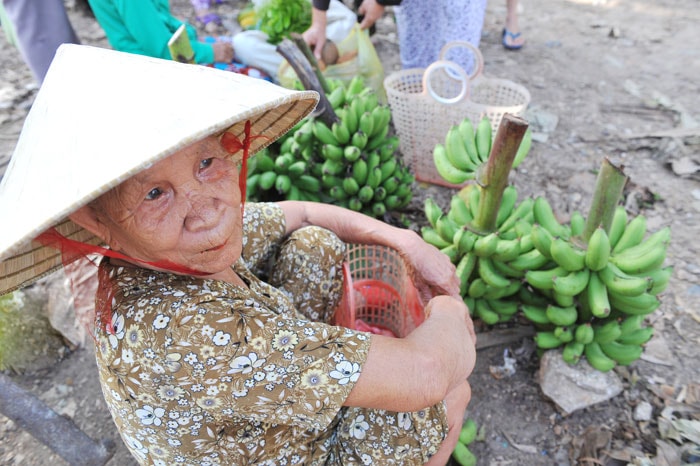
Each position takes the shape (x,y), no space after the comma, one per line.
(434,273)
(412,373)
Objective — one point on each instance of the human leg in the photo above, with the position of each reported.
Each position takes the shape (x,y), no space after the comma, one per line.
(40,28)
(308,269)
(456,403)
(512,37)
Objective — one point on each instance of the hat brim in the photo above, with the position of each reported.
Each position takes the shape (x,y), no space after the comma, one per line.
(102,116)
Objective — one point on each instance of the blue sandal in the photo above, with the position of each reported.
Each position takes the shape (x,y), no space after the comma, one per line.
(513,36)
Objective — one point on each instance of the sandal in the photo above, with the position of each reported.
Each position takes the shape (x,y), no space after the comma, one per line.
(512,36)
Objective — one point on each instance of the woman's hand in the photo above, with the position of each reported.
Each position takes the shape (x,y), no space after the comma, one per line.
(223,52)
(315,36)
(434,273)
(371,11)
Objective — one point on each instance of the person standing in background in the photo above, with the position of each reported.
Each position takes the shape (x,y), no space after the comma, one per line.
(423,27)
(40,27)
(512,37)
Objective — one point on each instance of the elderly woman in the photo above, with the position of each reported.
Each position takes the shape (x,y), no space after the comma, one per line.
(202,362)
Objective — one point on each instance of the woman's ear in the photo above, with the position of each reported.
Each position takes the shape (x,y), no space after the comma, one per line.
(87,218)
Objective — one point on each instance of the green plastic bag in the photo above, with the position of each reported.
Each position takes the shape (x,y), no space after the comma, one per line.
(363,60)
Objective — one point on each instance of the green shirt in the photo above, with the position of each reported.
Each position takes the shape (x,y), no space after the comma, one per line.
(144,27)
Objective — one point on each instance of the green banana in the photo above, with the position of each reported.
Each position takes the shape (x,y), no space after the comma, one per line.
(620,283)
(378,209)
(535,314)
(617,225)
(505,269)
(388,168)
(380,194)
(542,239)
(531,260)
(544,215)
(341,132)
(621,353)
(486,245)
(267,180)
(577,223)
(631,324)
(584,333)
(466,241)
(374,178)
(308,183)
(332,152)
(483,138)
(597,359)
(511,289)
(459,212)
(282,163)
(523,148)
(350,186)
(507,250)
(359,139)
(561,316)
(547,340)
(328,181)
(296,169)
(338,193)
(392,184)
(485,313)
(367,123)
(351,119)
(431,236)
(508,200)
(283,183)
(355,204)
(446,170)
(463,456)
(645,256)
(490,275)
(337,97)
(456,151)
(465,266)
(503,307)
(572,352)
(659,279)
(544,279)
(366,193)
(466,130)
(563,300)
(264,163)
(564,334)
(597,296)
(332,167)
(324,134)
(643,304)
(467,433)
(598,251)
(477,288)
(572,283)
(567,255)
(446,228)
(520,212)
(360,171)
(607,331)
(633,234)
(637,337)
(376,140)
(351,153)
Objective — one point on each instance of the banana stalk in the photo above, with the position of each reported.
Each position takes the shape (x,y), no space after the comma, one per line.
(493,179)
(608,191)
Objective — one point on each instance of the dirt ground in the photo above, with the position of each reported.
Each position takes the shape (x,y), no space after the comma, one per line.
(608,78)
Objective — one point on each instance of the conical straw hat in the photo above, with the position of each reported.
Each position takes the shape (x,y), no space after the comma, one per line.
(102,116)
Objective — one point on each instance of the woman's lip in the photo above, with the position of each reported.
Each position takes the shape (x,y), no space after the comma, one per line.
(216,248)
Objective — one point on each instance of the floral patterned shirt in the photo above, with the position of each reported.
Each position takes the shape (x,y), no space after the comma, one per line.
(203,372)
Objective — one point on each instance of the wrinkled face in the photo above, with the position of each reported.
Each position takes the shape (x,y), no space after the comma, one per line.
(185,209)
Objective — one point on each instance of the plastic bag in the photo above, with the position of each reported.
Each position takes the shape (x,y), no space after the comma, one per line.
(357,57)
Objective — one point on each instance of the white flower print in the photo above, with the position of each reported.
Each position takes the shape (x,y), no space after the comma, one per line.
(405,421)
(221,338)
(136,447)
(127,356)
(134,335)
(285,340)
(170,392)
(346,372)
(117,329)
(359,427)
(314,378)
(161,321)
(150,416)
(246,364)
(366,459)
(207,330)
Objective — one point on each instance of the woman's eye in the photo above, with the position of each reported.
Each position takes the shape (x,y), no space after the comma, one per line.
(153,194)
(205,163)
